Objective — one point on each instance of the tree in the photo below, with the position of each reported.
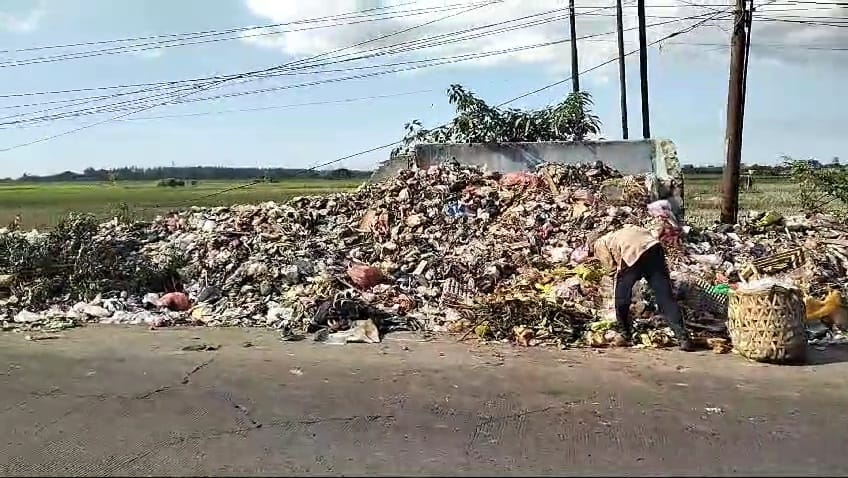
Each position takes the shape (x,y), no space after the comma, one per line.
(818,188)
(341,173)
(477,122)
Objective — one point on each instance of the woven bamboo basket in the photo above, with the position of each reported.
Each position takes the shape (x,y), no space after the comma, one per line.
(767,325)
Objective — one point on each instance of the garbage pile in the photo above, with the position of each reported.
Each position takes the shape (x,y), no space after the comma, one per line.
(450,248)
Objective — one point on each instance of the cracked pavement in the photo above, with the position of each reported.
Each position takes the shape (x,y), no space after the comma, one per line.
(123,401)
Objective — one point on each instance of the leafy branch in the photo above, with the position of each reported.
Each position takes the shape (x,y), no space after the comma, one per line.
(477,122)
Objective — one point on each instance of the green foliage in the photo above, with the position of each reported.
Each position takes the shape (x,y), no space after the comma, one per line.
(73,261)
(170,183)
(818,188)
(124,213)
(477,122)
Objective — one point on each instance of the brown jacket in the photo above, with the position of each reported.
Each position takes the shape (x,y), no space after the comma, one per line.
(626,245)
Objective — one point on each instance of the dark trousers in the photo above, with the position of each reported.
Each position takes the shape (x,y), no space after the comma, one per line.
(653,268)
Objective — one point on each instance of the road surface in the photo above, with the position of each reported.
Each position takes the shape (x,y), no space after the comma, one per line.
(129,401)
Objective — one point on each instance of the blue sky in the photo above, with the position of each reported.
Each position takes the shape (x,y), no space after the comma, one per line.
(794,106)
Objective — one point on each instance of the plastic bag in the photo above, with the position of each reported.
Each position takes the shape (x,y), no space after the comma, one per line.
(175,301)
(661,208)
(580,254)
(364,277)
(520,178)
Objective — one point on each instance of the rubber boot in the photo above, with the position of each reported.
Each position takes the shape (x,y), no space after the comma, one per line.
(686,345)
(625,324)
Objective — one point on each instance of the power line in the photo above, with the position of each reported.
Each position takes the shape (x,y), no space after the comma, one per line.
(257,72)
(135,48)
(803,22)
(551,85)
(385,51)
(427,63)
(753,45)
(239,29)
(421,44)
(167,83)
(412,45)
(228,30)
(164,44)
(269,108)
(213,85)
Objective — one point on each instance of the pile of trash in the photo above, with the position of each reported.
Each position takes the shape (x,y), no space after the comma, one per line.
(450,248)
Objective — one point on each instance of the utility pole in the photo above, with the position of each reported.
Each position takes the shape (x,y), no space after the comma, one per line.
(575,70)
(735,107)
(643,69)
(622,78)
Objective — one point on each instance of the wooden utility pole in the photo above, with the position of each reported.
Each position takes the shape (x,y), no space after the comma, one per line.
(622,77)
(643,70)
(735,107)
(575,70)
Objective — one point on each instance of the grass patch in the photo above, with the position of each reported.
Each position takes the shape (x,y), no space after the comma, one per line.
(703,197)
(43,205)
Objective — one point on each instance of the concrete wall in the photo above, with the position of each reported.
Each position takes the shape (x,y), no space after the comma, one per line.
(392,166)
(657,156)
(629,157)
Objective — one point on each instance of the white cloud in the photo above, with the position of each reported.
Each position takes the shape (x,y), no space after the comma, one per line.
(21,23)
(594,19)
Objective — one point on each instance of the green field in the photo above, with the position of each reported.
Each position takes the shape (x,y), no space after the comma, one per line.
(703,199)
(43,205)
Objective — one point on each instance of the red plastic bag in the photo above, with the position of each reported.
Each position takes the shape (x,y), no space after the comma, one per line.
(175,301)
(364,277)
(520,178)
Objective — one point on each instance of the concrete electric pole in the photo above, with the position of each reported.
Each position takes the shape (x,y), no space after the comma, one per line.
(735,109)
(622,77)
(643,69)
(575,70)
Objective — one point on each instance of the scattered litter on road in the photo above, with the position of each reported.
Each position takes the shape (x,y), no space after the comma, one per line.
(296,371)
(714,410)
(35,338)
(200,348)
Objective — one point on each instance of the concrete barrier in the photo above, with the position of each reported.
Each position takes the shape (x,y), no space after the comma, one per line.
(656,156)
(629,157)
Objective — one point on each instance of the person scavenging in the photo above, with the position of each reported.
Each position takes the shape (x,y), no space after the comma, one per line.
(635,254)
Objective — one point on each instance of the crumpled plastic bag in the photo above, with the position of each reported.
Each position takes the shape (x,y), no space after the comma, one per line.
(819,309)
(769,219)
(580,254)
(661,208)
(364,277)
(520,178)
(175,301)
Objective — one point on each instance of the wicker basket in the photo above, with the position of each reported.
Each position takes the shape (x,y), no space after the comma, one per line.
(767,325)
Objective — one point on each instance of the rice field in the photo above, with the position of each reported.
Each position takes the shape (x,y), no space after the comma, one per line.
(43,205)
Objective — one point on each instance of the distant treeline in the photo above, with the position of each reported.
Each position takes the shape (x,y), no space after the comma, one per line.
(195,173)
(763,170)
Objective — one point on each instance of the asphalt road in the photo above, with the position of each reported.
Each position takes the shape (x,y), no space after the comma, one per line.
(128,401)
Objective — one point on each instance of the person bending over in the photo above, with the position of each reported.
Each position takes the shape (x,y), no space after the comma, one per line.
(634,254)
